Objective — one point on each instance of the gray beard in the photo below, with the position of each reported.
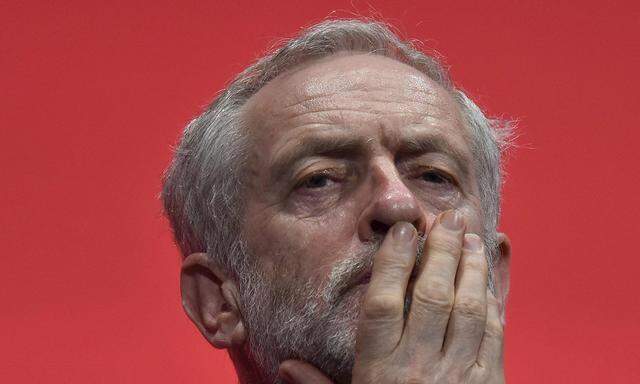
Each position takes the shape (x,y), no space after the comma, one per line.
(304,319)
(313,321)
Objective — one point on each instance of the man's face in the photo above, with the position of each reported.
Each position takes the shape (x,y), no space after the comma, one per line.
(341,149)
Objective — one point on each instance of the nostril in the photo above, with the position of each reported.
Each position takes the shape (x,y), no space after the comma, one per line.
(379,227)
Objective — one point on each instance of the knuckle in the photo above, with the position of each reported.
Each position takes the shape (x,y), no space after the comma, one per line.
(393,266)
(413,374)
(435,297)
(477,262)
(494,329)
(470,307)
(414,380)
(382,307)
(392,263)
(445,243)
(478,374)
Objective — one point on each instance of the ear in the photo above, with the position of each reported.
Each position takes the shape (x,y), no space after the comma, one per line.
(501,272)
(210,300)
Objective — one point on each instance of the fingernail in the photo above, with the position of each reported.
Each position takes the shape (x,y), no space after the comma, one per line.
(403,232)
(472,242)
(451,220)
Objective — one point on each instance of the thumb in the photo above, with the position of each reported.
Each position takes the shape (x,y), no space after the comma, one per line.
(299,372)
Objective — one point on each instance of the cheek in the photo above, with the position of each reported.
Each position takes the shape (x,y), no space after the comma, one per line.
(302,247)
(437,198)
(474,218)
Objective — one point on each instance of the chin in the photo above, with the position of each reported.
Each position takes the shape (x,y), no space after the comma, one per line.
(337,355)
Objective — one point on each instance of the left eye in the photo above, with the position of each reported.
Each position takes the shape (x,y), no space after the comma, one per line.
(435,177)
(315,181)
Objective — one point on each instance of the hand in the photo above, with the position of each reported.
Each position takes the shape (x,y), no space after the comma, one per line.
(452,333)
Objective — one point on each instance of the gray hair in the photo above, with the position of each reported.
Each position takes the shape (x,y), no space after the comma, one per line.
(203,190)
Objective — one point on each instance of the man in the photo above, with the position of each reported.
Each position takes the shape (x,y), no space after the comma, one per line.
(337,208)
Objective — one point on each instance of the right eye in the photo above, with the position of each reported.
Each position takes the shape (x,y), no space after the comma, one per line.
(319,180)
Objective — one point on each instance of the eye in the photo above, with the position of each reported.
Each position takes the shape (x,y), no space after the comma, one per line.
(325,178)
(436,177)
(315,181)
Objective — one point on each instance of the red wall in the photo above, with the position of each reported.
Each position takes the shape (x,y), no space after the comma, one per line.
(93,97)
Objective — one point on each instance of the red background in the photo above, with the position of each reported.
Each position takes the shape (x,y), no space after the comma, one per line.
(93,96)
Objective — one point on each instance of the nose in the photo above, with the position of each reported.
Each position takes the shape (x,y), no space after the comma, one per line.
(391,202)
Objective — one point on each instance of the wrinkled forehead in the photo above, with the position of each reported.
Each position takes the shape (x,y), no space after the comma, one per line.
(349,77)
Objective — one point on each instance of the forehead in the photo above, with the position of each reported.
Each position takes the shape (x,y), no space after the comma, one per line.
(359,93)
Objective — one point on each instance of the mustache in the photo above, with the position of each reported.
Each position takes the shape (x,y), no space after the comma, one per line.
(349,272)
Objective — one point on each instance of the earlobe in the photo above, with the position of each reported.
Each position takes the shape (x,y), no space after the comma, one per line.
(501,272)
(210,300)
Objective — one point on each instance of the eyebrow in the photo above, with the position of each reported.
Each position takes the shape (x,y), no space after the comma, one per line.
(421,144)
(332,146)
(342,146)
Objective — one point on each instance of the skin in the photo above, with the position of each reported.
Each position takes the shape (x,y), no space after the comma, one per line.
(305,212)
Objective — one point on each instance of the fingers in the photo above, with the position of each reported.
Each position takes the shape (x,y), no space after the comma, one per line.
(468,316)
(491,347)
(300,372)
(433,293)
(382,320)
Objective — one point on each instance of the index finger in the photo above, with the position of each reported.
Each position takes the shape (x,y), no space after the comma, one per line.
(382,316)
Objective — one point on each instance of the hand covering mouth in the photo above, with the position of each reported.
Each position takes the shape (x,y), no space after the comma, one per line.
(365,278)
